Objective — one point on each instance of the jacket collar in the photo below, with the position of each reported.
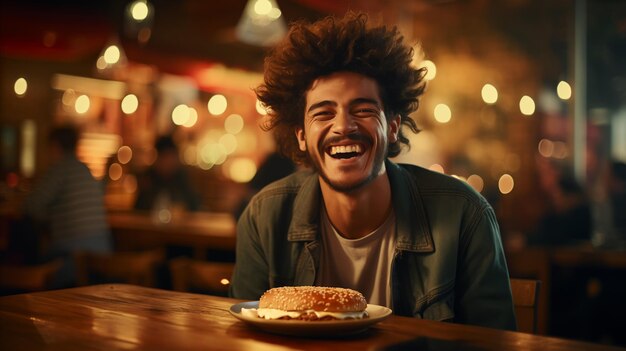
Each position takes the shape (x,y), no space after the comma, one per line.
(412,227)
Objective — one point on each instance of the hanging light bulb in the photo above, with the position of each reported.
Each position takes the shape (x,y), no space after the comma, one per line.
(111,59)
(261,24)
(138,21)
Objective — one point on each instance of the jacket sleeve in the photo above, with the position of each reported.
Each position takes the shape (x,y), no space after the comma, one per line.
(483,291)
(250,277)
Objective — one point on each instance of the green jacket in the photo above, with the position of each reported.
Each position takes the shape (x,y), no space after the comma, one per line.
(449,263)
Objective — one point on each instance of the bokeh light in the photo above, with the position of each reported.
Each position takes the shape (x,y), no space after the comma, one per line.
(431,69)
(242,170)
(233,124)
(443,114)
(489,94)
(506,184)
(130,104)
(82,104)
(115,171)
(527,105)
(217,104)
(20,86)
(476,182)
(564,90)
(124,154)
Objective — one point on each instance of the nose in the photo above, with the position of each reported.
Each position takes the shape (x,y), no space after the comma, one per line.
(344,123)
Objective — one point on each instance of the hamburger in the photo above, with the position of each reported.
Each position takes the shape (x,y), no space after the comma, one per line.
(312,303)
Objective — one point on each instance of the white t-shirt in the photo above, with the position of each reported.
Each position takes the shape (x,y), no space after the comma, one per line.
(362,264)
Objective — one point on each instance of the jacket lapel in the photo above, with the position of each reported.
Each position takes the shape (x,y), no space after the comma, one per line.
(412,225)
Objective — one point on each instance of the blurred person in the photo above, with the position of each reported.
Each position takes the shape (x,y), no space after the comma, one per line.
(72,202)
(274,167)
(568,220)
(339,93)
(166,183)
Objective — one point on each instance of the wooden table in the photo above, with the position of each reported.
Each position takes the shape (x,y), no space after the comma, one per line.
(105,317)
(199,230)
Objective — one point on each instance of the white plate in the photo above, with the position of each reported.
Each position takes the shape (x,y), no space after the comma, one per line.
(318,328)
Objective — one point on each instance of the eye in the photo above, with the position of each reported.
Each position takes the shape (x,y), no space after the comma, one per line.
(365,112)
(322,115)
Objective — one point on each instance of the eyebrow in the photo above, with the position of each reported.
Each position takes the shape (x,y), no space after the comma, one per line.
(352,103)
(321,104)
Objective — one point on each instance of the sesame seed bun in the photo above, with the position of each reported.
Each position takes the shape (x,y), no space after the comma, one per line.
(316,298)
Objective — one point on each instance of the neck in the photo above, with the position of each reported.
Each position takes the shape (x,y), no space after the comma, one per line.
(360,212)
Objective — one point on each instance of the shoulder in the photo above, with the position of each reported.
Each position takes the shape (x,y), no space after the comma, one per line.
(431,184)
(289,185)
(280,198)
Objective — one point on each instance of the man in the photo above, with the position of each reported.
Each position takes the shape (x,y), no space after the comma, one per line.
(72,202)
(166,183)
(424,244)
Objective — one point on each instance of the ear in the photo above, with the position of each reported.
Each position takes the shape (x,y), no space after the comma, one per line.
(301,139)
(394,129)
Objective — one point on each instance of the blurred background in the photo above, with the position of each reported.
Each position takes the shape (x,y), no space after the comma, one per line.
(526,101)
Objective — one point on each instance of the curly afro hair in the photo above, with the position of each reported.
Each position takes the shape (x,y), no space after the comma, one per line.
(332,45)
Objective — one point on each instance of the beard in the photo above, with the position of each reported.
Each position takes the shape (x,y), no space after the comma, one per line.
(379,159)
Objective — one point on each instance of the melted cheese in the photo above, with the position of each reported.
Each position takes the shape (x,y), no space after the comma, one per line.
(270,313)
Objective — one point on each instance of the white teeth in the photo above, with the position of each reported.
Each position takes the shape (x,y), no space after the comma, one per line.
(345,149)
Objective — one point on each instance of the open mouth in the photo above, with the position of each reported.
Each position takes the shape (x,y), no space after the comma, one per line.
(345,151)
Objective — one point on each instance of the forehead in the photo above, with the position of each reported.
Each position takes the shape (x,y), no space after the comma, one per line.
(342,87)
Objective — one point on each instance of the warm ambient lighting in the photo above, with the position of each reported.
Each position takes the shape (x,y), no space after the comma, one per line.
(443,113)
(138,20)
(564,90)
(261,23)
(233,124)
(82,103)
(476,182)
(260,108)
(115,171)
(111,58)
(506,184)
(185,116)
(124,154)
(242,170)
(431,69)
(130,183)
(20,86)
(217,104)
(489,94)
(212,154)
(29,146)
(527,105)
(192,117)
(112,55)
(224,281)
(229,142)
(546,148)
(139,10)
(130,104)
(69,97)
(180,114)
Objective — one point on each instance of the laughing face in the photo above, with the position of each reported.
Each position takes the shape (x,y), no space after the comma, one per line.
(346,133)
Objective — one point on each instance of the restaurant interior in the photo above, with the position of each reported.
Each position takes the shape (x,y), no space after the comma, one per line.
(525,101)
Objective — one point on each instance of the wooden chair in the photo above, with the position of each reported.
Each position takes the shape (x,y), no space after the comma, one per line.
(525,300)
(534,264)
(137,268)
(25,278)
(201,276)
